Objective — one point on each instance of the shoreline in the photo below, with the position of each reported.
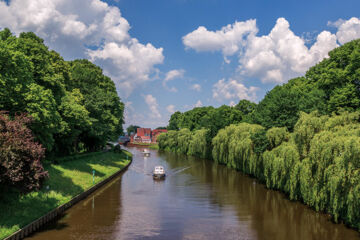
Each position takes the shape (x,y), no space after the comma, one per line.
(57,211)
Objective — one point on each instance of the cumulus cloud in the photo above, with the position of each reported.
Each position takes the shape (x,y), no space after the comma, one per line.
(170,109)
(282,55)
(275,57)
(347,29)
(173,74)
(196,87)
(232,89)
(86,28)
(228,40)
(153,106)
(130,65)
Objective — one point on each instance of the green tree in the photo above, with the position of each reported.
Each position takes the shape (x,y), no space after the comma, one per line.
(132,129)
(100,100)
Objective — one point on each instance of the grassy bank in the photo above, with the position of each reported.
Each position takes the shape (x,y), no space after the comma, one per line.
(154,146)
(67,179)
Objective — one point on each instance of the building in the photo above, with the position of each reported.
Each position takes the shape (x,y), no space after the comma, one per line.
(146,135)
(143,135)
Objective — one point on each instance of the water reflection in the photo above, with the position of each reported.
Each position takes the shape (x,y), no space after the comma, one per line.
(198,200)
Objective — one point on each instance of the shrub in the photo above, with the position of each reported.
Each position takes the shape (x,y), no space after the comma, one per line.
(20,155)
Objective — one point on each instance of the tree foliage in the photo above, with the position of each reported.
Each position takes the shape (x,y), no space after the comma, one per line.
(20,155)
(74,107)
(303,138)
(132,129)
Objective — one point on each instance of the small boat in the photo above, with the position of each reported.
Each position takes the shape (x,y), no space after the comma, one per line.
(146,152)
(159,172)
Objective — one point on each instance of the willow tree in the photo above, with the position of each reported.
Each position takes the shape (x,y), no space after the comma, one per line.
(233,147)
(200,144)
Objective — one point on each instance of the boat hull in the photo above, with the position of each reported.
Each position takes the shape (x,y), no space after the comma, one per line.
(159,176)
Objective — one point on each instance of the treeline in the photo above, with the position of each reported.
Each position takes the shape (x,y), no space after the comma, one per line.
(303,138)
(49,106)
(211,118)
(73,105)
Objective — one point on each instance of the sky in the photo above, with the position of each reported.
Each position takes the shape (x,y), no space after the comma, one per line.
(174,55)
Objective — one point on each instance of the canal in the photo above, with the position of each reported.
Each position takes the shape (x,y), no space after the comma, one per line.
(198,200)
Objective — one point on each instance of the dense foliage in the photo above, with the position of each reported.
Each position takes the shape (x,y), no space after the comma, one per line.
(74,107)
(210,118)
(20,155)
(132,129)
(303,138)
(329,86)
(194,143)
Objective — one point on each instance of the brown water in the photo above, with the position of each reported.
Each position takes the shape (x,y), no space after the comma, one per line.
(198,200)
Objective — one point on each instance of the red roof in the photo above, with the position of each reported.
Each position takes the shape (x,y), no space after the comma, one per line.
(157,131)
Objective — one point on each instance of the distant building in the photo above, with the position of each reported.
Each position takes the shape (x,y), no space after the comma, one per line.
(146,135)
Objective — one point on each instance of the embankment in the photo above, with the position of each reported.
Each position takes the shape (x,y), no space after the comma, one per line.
(69,182)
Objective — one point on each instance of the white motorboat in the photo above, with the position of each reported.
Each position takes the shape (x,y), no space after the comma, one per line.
(146,152)
(159,172)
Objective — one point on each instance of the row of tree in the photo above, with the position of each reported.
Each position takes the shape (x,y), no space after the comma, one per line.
(303,138)
(74,106)
(49,105)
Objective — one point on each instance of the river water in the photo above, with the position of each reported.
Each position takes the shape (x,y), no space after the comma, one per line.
(197,200)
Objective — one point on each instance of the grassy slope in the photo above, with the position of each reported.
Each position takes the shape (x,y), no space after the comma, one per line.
(154,146)
(67,180)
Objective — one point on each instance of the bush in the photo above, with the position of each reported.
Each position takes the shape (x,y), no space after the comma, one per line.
(20,155)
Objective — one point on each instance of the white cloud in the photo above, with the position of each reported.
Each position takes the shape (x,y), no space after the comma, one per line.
(173,74)
(232,89)
(347,30)
(70,27)
(228,40)
(176,73)
(282,55)
(170,109)
(198,104)
(275,57)
(153,106)
(196,87)
(232,103)
(129,64)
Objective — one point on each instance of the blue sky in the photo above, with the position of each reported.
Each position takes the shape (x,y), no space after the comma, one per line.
(169,55)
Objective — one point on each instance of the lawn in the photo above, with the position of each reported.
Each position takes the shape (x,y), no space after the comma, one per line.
(67,179)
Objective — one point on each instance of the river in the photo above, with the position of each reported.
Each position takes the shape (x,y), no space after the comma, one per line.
(197,200)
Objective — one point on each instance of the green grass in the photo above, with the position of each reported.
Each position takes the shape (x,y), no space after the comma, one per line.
(67,180)
(154,146)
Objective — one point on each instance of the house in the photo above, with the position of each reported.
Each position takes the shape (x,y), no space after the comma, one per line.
(143,135)
(146,135)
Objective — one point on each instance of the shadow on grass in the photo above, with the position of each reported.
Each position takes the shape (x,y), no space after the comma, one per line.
(18,210)
(107,159)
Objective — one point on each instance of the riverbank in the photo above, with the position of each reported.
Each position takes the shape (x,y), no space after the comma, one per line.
(150,145)
(67,180)
(316,163)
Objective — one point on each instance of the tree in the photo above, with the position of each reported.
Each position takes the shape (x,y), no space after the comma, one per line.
(281,106)
(72,104)
(132,129)
(20,155)
(174,121)
(245,106)
(100,100)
